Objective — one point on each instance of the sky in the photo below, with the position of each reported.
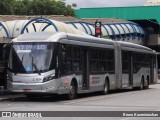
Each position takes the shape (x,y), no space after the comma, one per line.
(106,3)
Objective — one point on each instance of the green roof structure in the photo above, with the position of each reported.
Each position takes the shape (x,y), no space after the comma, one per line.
(127,13)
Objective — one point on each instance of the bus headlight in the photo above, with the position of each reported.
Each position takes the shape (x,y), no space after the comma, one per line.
(48,78)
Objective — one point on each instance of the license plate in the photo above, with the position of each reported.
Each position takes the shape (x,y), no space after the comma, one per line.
(26,90)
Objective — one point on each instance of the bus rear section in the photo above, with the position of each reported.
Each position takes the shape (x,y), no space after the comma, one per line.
(138,66)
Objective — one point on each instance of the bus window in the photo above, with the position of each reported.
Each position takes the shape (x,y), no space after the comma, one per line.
(137,62)
(66,59)
(69,59)
(93,60)
(102,60)
(125,62)
(76,59)
(110,61)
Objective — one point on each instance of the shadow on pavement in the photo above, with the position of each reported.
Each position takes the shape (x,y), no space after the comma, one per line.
(60,98)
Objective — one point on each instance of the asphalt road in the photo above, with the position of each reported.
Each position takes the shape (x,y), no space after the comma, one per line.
(126,100)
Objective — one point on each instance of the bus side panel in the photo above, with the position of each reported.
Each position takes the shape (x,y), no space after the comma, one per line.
(138,76)
(153,80)
(65,83)
(118,66)
(125,80)
(97,82)
(112,82)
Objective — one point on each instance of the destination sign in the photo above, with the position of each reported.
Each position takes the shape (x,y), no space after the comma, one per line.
(31,47)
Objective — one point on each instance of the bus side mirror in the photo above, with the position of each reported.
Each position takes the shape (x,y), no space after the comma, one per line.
(6,51)
(4,54)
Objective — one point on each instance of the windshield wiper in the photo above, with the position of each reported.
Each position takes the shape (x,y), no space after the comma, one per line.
(22,59)
(35,67)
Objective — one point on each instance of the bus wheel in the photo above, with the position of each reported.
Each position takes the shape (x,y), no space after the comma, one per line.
(105,88)
(72,91)
(141,87)
(147,85)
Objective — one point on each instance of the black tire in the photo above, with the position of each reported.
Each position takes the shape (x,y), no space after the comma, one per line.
(141,87)
(147,86)
(105,88)
(72,92)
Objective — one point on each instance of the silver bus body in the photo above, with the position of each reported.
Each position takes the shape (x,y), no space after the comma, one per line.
(58,81)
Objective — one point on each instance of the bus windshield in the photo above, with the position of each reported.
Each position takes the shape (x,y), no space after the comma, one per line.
(31,57)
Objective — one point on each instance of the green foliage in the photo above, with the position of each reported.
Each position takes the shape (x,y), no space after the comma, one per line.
(36,7)
(74,5)
(6,7)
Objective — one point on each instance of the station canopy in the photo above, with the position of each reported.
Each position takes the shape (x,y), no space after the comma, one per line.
(111,28)
(17,27)
(116,30)
(3,30)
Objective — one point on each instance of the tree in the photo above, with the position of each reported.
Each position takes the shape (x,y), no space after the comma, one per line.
(6,7)
(74,5)
(70,10)
(36,7)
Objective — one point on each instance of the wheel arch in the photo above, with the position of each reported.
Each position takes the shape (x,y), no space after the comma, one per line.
(148,79)
(142,78)
(107,80)
(74,80)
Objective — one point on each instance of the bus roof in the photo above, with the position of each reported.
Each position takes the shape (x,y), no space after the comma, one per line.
(128,45)
(57,37)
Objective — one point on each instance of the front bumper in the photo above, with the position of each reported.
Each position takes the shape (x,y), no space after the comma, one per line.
(48,87)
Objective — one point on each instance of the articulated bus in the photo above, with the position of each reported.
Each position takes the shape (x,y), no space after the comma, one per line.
(45,63)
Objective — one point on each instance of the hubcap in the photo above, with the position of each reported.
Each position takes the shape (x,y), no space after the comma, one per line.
(105,88)
(141,85)
(72,91)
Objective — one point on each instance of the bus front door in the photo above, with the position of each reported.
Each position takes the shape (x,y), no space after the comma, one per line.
(85,69)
